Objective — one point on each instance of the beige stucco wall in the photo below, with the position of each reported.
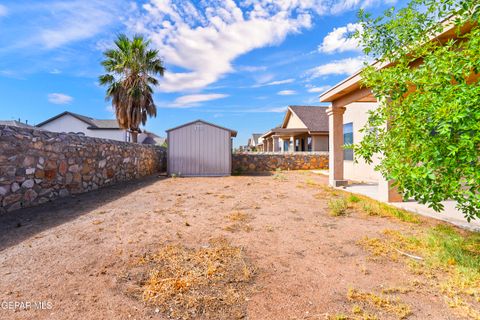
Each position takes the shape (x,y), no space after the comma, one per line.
(357,113)
(295,122)
(320,143)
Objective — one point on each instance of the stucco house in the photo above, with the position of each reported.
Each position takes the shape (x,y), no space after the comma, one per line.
(254,141)
(304,129)
(73,122)
(350,104)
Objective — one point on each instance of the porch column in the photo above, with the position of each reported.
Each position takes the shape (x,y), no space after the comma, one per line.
(291,146)
(276,144)
(388,193)
(335,123)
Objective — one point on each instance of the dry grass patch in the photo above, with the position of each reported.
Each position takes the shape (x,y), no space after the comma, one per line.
(446,258)
(239,221)
(211,282)
(382,303)
(362,203)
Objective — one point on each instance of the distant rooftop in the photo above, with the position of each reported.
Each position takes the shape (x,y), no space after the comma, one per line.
(14,123)
(315,118)
(94,124)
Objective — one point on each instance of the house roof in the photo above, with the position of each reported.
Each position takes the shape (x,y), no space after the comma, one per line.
(14,123)
(255,137)
(233,133)
(352,83)
(314,118)
(94,124)
(152,138)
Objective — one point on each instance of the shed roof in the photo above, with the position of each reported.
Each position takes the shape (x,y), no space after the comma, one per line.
(233,133)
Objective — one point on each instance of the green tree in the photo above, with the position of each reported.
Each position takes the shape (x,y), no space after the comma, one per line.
(430,101)
(131,69)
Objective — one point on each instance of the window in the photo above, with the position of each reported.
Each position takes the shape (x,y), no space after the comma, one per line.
(347,140)
(309,143)
(286,144)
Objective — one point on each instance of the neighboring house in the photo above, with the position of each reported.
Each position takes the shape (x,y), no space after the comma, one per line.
(253,142)
(350,104)
(147,137)
(304,129)
(15,123)
(72,122)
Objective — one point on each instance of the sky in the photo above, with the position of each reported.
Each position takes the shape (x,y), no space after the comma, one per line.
(238,64)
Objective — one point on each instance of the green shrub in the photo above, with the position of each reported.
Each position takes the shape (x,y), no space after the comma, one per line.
(338,207)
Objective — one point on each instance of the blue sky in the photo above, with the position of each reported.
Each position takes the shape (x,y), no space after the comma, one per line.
(235,63)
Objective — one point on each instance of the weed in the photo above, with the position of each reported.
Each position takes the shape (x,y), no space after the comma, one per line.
(279,176)
(240,222)
(353,198)
(387,304)
(240,216)
(338,207)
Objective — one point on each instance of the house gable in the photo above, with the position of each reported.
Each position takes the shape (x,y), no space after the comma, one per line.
(292,121)
(65,123)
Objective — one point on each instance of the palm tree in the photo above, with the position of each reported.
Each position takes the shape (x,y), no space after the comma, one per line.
(130,74)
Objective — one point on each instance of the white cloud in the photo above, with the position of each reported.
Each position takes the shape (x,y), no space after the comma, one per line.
(204,39)
(252,68)
(274,83)
(318,89)
(80,20)
(338,67)
(193,100)
(3,10)
(277,110)
(286,92)
(339,40)
(59,98)
(201,39)
(54,24)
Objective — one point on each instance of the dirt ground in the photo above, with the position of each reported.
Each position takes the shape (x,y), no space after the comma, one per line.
(72,253)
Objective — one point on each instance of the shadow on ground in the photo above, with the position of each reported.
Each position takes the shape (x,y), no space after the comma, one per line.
(22,224)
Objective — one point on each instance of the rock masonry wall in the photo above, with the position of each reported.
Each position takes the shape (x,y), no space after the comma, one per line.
(271,161)
(39,166)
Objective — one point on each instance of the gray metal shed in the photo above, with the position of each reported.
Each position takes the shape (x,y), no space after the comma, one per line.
(200,148)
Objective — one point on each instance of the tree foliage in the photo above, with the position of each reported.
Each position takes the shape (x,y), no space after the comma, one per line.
(131,69)
(427,126)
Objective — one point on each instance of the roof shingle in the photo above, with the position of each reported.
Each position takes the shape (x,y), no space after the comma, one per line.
(315,118)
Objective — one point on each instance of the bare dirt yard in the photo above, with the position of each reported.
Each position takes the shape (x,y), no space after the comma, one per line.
(280,246)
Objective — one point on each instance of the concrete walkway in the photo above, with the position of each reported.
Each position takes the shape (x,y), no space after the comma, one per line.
(449,214)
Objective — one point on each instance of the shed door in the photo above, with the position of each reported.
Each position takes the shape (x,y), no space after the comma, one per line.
(200,150)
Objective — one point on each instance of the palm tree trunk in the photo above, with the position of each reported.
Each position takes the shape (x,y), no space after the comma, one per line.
(134,136)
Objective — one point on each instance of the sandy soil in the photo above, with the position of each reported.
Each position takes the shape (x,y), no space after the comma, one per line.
(73,252)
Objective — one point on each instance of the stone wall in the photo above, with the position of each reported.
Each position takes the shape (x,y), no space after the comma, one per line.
(39,166)
(270,161)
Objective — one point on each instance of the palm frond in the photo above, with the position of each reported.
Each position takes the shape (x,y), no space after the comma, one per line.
(131,72)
